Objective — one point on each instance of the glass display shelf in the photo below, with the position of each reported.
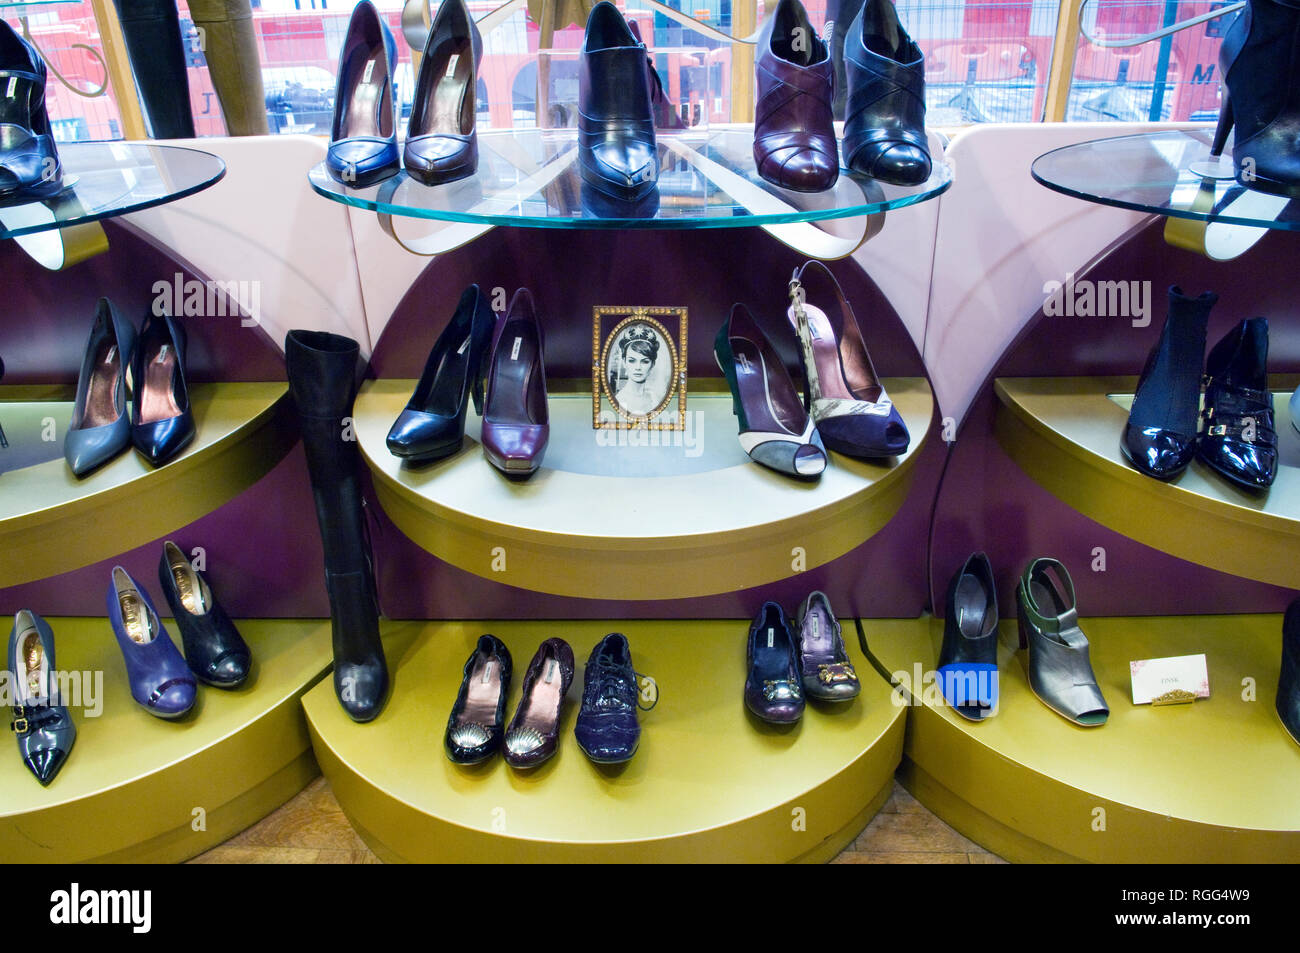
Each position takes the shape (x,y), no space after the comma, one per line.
(23,7)
(106,179)
(530,178)
(1165,173)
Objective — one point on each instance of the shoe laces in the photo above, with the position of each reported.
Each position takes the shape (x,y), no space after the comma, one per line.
(613,688)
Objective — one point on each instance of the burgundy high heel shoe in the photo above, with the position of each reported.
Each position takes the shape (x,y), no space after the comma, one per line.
(516,420)
(794,135)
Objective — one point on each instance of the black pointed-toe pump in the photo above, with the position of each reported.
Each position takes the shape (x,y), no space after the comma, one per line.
(432,425)
(441,142)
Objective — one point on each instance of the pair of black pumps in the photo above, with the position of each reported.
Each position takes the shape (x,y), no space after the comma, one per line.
(160,423)
(1235,436)
(607,728)
(441,142)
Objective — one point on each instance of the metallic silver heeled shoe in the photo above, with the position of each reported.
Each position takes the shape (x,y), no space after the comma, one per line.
(1060,671)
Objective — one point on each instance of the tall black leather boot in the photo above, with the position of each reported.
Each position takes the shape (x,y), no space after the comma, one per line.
(152,31)
(322,375)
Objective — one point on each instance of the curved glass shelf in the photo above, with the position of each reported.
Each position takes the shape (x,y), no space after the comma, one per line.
(530,178)
(20,7)
(1164,173)
(105,179)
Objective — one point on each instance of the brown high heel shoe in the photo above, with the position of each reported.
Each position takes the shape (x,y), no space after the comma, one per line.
(534,732)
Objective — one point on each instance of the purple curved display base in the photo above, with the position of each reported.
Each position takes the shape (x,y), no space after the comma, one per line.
(262,552)
(569,273)
(48,314)
(263,548)
(986,502)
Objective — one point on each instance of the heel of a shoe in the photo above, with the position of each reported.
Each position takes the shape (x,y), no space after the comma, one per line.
(476,392)
(735,397)
(1023,627)
(1224,127)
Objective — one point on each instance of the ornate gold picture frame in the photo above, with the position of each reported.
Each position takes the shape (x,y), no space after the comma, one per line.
(638,368)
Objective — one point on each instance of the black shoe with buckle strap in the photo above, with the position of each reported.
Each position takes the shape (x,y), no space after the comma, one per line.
(41,724)
(1239,440)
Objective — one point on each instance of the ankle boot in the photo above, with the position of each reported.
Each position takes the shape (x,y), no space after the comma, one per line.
(1260,60)
(322,373)
(1238,439)
(152,31)
(230,46)
(884,121)
(1160,436)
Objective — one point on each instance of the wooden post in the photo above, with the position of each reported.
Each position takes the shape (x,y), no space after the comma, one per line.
(744,21)
(1063,52)
(120,78)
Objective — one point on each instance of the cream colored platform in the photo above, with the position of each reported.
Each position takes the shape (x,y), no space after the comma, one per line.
(709,783)
(1211,782)
(1065,434)
(51,522)
(140,789)
(635,522)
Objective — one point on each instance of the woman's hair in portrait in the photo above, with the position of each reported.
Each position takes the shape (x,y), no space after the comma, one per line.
(642,340)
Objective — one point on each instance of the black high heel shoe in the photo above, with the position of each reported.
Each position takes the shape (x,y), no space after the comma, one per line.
(1160,436)
(100,427)
(432,425)
(30,169)
(1239,440)
(42,725)
(441,144)
(1260,61)
(162,423)
(363,138)
(214,650)
(968,660)
(617,152)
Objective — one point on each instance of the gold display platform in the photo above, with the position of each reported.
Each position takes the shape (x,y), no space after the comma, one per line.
(609,518)
(51,522)
(137,788)
(1214,781)
(1065,434)
(709,782)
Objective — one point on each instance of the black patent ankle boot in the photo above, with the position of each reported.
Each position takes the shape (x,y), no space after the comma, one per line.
(1238,439)
(322,372)
(1160,436)
(1260,59)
